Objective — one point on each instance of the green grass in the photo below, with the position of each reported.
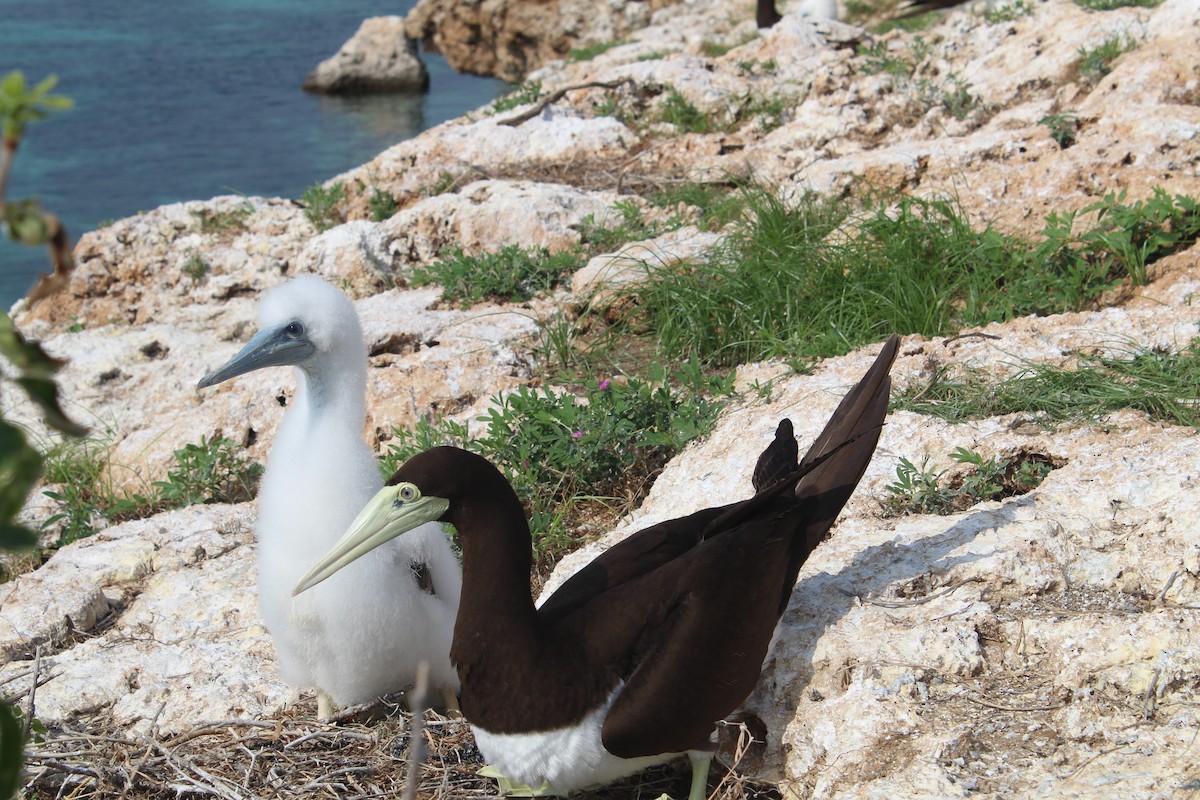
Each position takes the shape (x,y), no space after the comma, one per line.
(381,205)
(573,458)
(1161,385)
(232,221)
(922,490)
(515,273)
(588,52)
(678,111)
(522,94)
(823,277)
(195,267)
(321,205)
(511,274)
(212,471)
(1008,12)
(717,204)
(1109,5)
(1097,61)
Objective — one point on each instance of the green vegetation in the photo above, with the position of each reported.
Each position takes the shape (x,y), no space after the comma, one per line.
(381,205)
(522,94)
(1161,385)
(714,49)
(515,273)
(822,278)
(572,458)
(1063,128)
(655,55)
(1109,5)
(678,111)
(511,274)
(950,92)
(216,222)
(212,471)
(1096,62)
(21,465)
(195,267)
(920,489)
(717,204)
(753,66)
(1008,12)
(321,205)
(588,52)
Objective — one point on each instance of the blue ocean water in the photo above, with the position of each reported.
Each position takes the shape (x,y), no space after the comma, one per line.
(186,101)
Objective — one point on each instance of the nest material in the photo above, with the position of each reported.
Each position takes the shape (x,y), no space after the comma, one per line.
(295,756)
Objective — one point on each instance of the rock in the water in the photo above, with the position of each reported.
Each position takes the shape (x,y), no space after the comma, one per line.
(378,58)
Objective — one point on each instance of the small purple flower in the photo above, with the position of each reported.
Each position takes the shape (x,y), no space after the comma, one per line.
(577,435)
(604,384)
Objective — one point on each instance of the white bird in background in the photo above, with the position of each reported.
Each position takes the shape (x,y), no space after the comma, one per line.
(363,633)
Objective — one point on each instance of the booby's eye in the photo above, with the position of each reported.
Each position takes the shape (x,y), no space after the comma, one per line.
(294,329)
(407,493)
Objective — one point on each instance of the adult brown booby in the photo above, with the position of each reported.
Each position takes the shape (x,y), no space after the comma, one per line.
(635,659)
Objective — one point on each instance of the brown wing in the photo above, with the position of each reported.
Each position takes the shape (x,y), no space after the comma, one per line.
(746,562)
(780,459)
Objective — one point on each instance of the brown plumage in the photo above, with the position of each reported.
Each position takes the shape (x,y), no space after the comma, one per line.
(679,615)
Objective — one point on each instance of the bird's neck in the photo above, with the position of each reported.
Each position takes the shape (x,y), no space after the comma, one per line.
(496,600)
(323,399)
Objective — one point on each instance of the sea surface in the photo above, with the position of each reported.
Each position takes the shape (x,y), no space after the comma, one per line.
(189,100)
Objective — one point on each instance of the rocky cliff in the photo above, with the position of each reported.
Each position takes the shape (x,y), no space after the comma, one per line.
(1040,645)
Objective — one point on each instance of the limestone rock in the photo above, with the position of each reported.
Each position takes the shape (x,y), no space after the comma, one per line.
(509,38)
(1043,645)
(380,57)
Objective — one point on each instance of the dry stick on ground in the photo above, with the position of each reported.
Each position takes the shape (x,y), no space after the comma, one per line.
(557,95)
(416,736)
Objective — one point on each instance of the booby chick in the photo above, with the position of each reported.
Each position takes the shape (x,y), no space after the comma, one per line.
(635,659)
(363,634)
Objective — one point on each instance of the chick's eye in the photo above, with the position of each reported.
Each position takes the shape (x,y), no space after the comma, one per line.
(294,329)
(408,493)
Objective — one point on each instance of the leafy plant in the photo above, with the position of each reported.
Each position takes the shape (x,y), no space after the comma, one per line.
(321,205)
(921,490)
(381,205)
(916,490)
(1063,128)
(20,464)
(564,453)
(212,471)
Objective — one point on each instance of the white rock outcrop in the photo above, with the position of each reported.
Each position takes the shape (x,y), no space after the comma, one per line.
(380,57)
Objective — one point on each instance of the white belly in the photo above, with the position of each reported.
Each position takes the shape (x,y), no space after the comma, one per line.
(566,758)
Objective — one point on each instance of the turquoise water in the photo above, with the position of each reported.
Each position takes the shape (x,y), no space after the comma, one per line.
(188,100)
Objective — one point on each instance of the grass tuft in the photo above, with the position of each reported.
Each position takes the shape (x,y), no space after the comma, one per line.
(1161,385)
(822,277)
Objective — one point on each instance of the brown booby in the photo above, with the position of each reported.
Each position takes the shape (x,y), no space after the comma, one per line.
(635,659)
(363,634)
